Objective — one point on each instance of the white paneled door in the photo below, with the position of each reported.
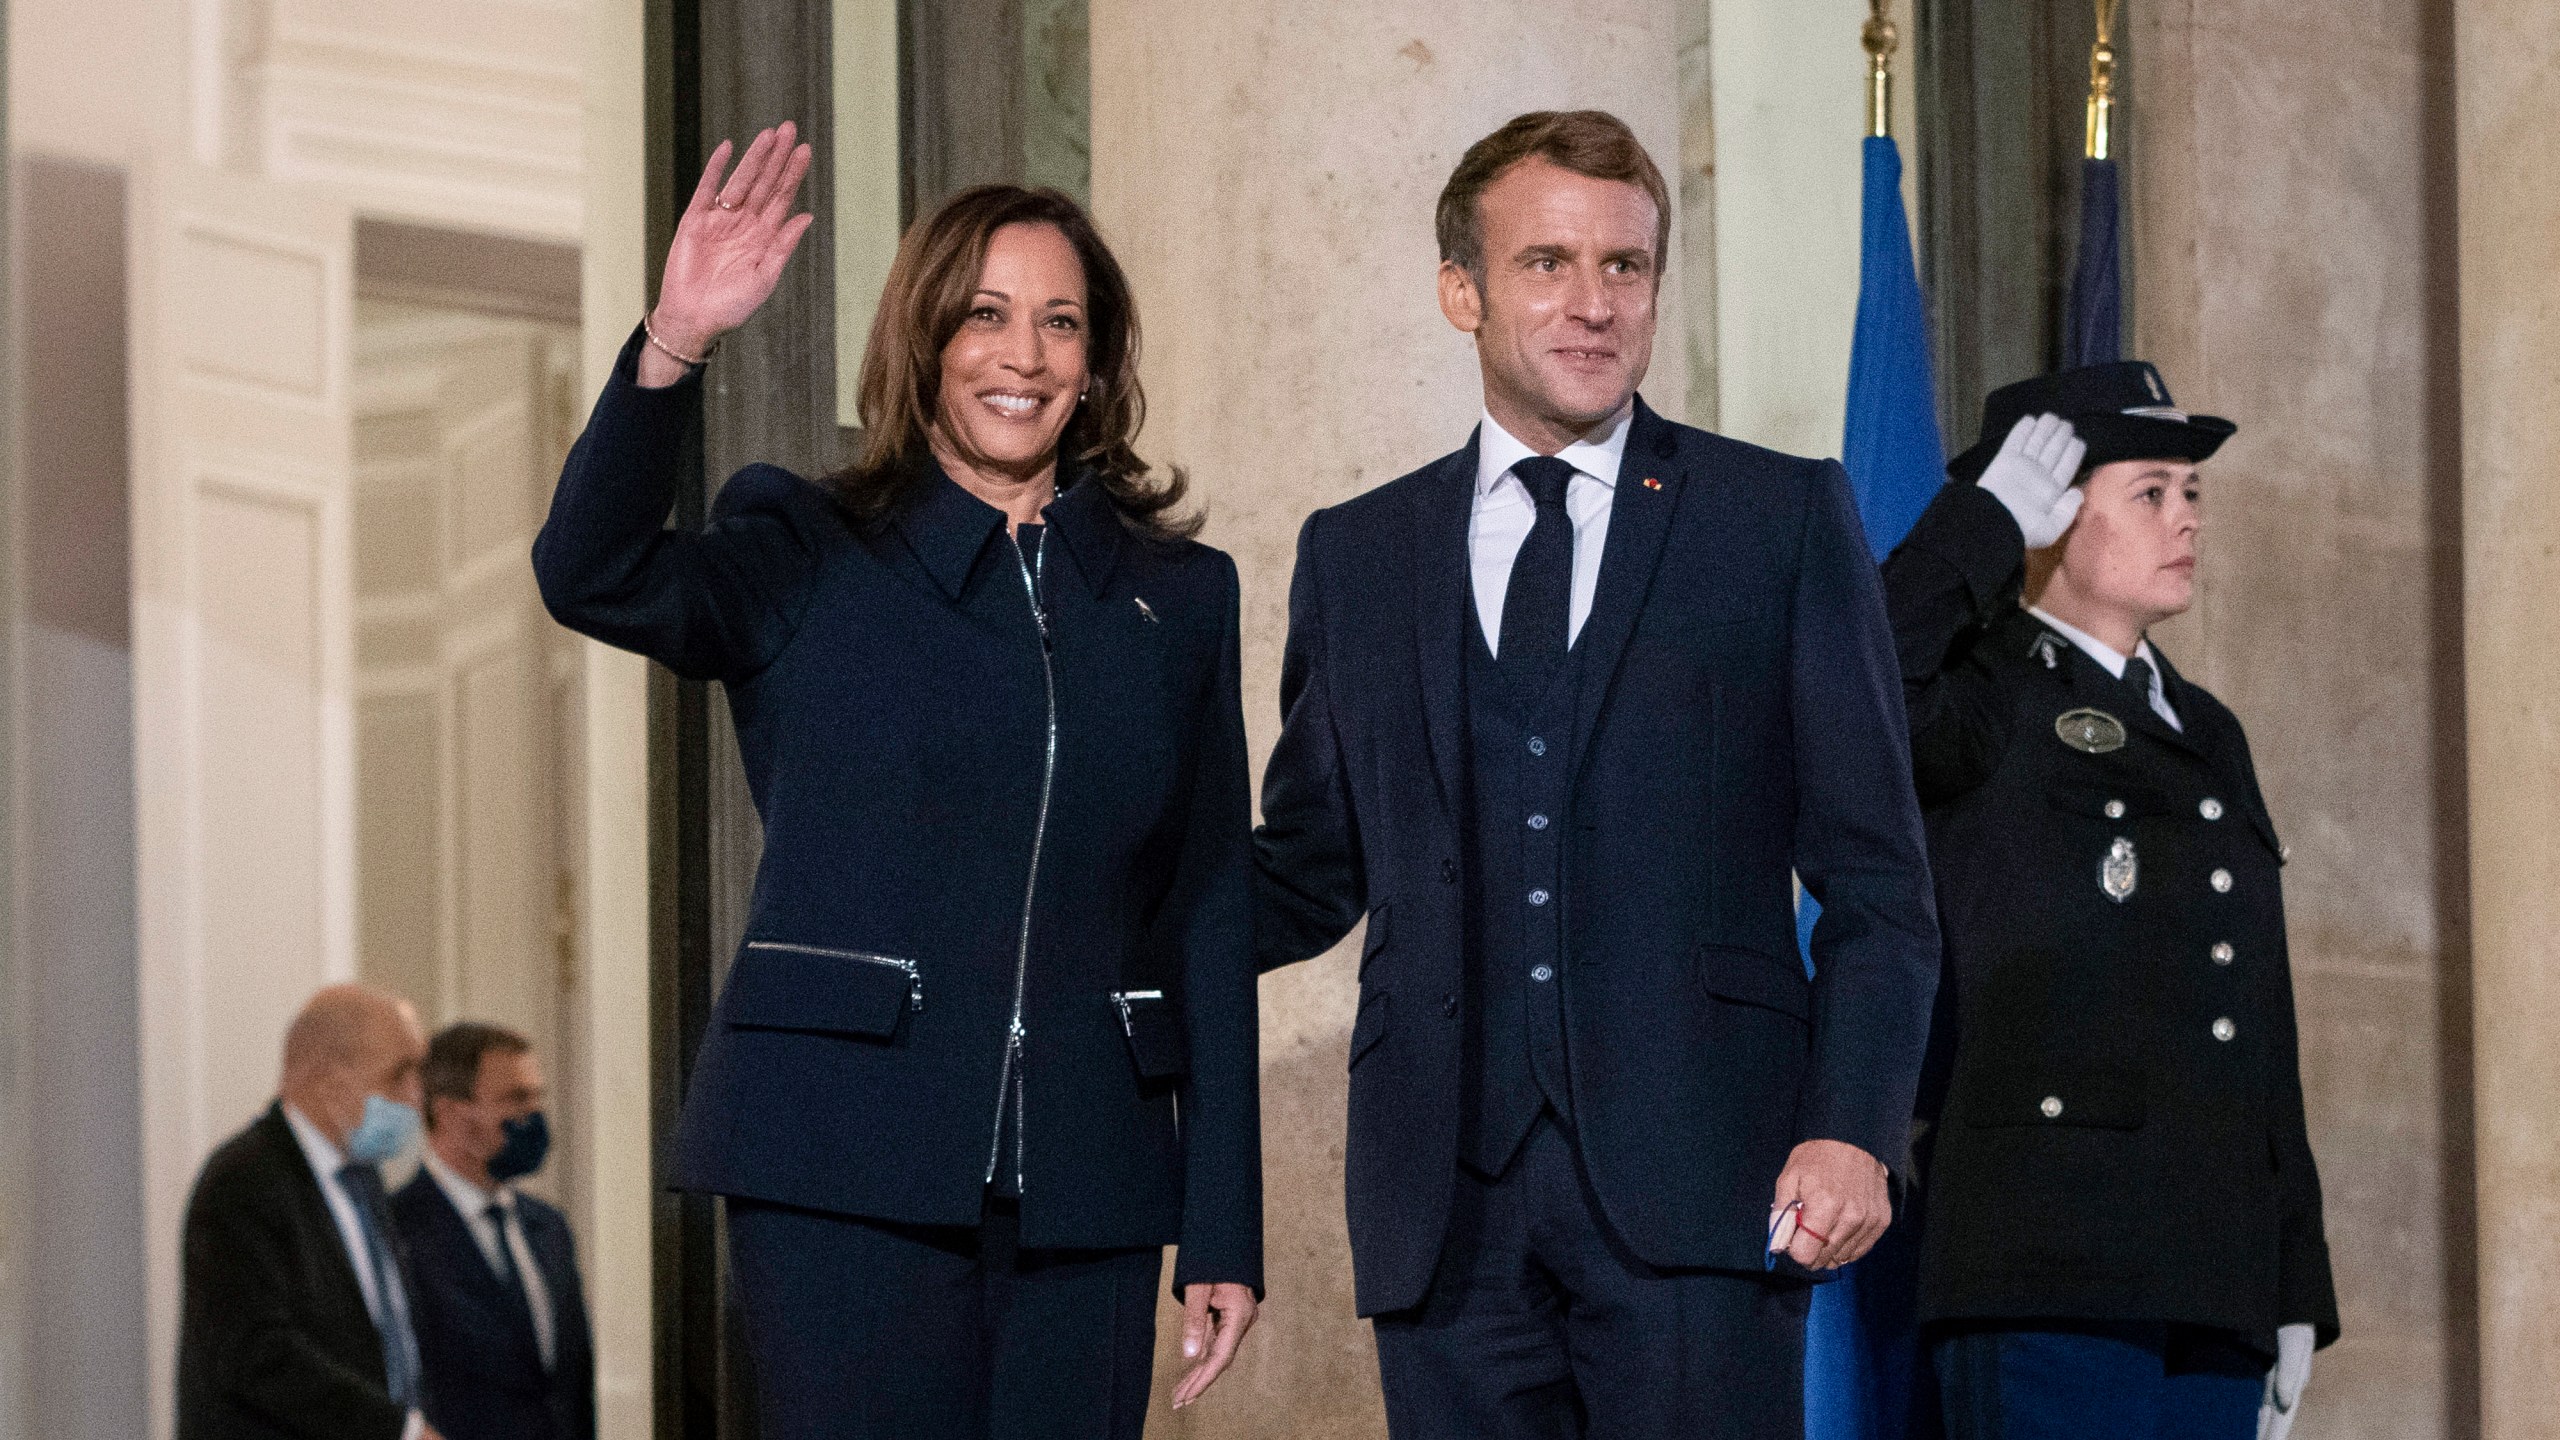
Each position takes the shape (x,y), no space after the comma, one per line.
(243,659)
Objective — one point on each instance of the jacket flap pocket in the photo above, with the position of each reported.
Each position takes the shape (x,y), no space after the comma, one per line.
(776,986)
(1159,1043)
(1375,938)
(1748,977)
(1371,1026)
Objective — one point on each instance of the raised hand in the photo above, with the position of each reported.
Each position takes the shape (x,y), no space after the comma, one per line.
(2032,475)
(735,236)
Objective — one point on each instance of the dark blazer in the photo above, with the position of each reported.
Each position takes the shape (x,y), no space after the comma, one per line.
(273,1336)
(483,1363)
(2104,1145)
(1739,719)
(961,802)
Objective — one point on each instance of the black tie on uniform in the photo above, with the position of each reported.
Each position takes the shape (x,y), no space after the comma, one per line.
(2137,679)
(1537,604)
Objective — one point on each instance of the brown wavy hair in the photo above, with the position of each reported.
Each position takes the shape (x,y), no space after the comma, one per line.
(930,288)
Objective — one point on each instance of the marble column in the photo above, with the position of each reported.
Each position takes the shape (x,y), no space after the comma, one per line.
(2507,65)
(1267,174)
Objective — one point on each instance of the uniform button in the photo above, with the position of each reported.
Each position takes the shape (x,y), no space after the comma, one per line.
(1542,974)
(1537,897)
(2222,882)
(1449,1006)
(2052,1107)
(2223,1029)
(1537,822)
(2211,809)
(2223,954)
(2115,809)
(1448,872)
(2284,853)
(1537,746)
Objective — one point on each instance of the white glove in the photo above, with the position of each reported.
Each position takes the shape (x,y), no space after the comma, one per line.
(2283,1398)
(2032,475)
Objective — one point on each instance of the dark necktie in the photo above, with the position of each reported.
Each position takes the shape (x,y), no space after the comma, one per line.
(2137,682)
(500,1218)
(1537,605)
(399,1340)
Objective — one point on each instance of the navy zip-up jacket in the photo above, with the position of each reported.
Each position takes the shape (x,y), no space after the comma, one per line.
(974,812)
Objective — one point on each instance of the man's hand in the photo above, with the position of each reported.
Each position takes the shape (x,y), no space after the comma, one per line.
(1845,1207)
(1211,1344)
(2032,475)
(2283,1398)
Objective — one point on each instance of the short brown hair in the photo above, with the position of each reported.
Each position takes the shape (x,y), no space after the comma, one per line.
(928,295)
(1587,142)
(452,1071)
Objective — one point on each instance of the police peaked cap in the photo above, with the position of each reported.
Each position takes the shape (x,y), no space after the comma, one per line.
(2122,410)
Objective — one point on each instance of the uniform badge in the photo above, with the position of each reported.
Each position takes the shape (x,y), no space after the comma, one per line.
(2046,649)
(2120,871)
(2092,732)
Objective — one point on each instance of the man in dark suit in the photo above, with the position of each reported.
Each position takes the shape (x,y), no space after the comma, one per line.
(295,1320)
(1562,713)
(502,1319)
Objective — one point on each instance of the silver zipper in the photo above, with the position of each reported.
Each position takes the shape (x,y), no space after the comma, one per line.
(915,976)
(1126,998)
(1009,1079)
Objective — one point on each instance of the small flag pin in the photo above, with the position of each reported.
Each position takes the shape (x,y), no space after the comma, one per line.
(1145,609)
(1652,484)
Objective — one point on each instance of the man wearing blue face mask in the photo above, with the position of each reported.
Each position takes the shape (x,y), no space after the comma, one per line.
(297,1318)
(502,1320)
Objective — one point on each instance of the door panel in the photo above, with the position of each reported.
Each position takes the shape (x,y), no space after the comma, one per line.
(242,696)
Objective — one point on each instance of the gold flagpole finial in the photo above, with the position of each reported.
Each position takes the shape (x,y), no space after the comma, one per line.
(2098,139)
(1880,38)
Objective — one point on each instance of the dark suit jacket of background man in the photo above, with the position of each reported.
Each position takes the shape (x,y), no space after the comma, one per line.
(274,1339)
(1740,717)
(483,1364)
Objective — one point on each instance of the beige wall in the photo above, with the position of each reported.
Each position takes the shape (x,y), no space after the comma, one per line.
(2510,208)
(2292,230)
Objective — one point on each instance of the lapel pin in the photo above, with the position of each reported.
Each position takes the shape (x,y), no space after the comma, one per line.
(1145,609)
(1652,484)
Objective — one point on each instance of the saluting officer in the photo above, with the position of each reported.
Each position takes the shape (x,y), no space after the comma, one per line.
(2124,1233)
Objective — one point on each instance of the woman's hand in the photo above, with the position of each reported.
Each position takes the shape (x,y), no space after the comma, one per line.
(1211,1343)
(735,236)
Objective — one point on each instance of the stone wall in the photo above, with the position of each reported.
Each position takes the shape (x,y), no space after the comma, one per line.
(2292,224)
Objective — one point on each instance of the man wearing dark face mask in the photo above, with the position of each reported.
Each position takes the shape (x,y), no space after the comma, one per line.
(502,1321)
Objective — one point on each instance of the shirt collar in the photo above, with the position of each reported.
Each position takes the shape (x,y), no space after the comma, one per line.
(1597,454)
(468,1198)
(2097,649)
(324,1157)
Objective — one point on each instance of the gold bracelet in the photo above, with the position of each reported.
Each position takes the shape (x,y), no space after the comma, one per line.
(670,351)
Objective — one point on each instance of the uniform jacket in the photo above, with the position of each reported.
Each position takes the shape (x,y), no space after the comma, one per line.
(1737,719)
(274,1340)
(969,809)
(2114,1090)
(483,1363)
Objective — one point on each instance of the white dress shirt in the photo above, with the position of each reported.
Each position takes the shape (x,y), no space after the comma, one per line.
(326,1160)
(472,1203)
(2099,651)
(1504,512)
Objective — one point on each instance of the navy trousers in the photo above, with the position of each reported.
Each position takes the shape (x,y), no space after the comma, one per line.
(1541,1325)
(866,1330)
(2099,1382)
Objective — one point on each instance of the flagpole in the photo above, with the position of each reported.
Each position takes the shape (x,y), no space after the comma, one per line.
(2098,139)
(1880,38)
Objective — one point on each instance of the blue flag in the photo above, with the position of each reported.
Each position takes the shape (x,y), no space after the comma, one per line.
(1864,1375)
(2097,285)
